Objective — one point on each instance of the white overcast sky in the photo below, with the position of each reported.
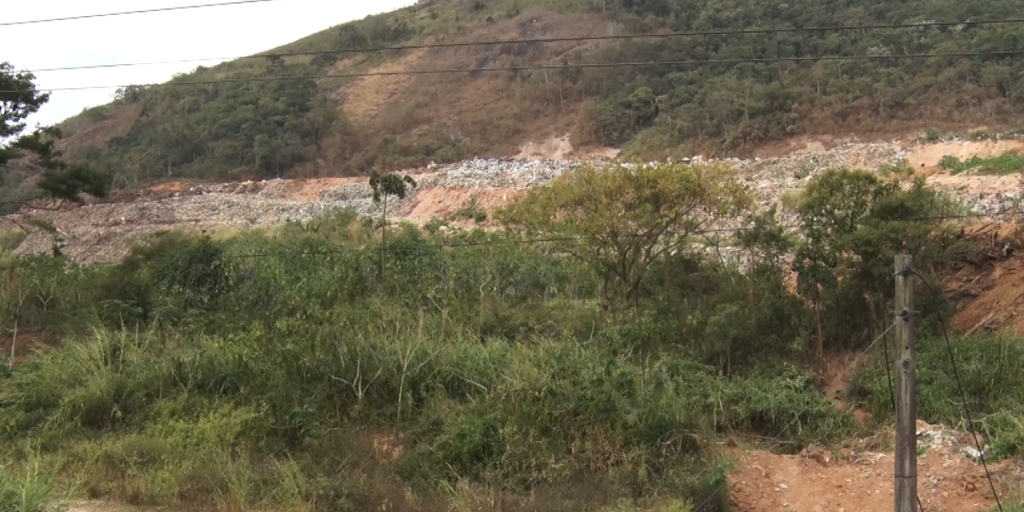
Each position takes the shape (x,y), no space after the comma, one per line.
(228,31)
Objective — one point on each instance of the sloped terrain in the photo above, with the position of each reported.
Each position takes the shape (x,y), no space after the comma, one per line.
(856,476)
(819,481)
(463,192)
(314,115)
(989,293)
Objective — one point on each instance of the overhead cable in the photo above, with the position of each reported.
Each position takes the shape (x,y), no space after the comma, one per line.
(546,67)
(546,40)
(128,13)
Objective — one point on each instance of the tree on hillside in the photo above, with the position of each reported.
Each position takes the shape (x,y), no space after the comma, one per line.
(68,183)
(385,185)
(19,99)
(854,223)
(621,219)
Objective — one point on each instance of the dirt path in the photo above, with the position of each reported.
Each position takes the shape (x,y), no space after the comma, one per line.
(818,481)
(861,478)
(103,506)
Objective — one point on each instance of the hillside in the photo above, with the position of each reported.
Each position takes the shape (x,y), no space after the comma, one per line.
(292,361)
(466,194)
(239,120)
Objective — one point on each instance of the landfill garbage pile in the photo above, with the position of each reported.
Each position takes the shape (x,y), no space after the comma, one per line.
(105,231)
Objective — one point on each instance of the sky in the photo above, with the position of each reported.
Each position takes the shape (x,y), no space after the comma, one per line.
(222,32)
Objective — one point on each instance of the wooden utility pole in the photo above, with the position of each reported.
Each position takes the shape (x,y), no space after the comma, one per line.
(906,387)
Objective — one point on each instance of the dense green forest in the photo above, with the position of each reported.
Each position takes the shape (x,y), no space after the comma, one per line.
(298,369)
(269,128)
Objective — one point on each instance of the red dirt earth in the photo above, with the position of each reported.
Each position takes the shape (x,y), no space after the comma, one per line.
(816,481)
(860,477)
(989,294)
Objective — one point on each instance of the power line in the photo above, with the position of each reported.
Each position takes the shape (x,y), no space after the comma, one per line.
(550,67)
(151,63)
(127,13)
(546,40)
(856,361)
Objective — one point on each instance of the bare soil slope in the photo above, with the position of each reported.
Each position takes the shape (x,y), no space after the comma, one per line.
(856,481)
(989,294)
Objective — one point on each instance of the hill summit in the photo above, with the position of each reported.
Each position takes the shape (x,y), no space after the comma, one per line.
(340,102)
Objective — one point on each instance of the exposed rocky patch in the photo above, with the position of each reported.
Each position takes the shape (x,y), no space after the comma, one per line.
(104,232)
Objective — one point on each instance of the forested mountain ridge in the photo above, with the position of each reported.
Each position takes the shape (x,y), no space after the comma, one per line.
(240,120)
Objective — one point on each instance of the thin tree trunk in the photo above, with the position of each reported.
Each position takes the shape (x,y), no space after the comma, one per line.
(606,302)
(384,236)
(14,342)
(820,348)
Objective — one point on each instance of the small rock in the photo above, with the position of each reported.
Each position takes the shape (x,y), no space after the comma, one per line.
(973,454)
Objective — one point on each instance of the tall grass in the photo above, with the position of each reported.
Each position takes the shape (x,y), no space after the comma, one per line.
(187,419)
(989,367)
(29,491)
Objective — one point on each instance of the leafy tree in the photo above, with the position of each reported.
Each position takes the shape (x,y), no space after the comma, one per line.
(854,223)
(733,316)
(621,219)
(765,241)
(69,183)
(41,144)
(385,185)
(196,273)
(19,99)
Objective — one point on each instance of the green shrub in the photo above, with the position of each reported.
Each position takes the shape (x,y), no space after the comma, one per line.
(854,223)
(31,492)
(10,239)
(472,211)
(786,406)
(719,315)
(988,366)
(1008,163)
(500,414)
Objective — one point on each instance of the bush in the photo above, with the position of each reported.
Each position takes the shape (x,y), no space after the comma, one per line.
(10,239)
(503,415)
(721,316)
(33,492)
(70,183)
(44,293)
(988,367)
